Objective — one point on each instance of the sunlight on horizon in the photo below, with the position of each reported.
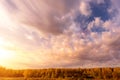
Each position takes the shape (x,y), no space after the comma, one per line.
(6,56)
(79,33)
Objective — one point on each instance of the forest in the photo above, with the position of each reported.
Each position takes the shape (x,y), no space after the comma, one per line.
(64,73)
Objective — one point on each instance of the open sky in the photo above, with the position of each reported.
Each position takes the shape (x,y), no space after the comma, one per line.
(59,33)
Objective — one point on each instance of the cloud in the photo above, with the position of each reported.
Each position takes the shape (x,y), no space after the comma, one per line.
(85,8)
(56,17)
(77,33)
(44,15)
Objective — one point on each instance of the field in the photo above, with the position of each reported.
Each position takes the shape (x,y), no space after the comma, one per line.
(50,79)
(12,78)
(61,74)
(43,79)
(36,79)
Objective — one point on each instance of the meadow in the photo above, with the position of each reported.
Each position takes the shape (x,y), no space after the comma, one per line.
(61,74)
(7,78)
(37,79)
(22,78)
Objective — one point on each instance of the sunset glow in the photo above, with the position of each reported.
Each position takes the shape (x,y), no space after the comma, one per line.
(5,57)
(59,33)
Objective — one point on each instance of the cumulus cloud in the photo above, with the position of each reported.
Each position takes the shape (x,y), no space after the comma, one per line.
(89,33)
(85,8)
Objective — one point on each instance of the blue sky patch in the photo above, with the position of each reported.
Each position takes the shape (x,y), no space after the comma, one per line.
(101,10)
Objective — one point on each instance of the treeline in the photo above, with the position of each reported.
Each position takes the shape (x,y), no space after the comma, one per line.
(75,74)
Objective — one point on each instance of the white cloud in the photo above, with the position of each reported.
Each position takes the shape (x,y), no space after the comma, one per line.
(72,48)
(85,8)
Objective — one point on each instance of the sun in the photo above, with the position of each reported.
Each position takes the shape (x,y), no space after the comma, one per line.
(6,55)
(7,58)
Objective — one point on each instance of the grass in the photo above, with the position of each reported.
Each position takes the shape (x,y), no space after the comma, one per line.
(22,78)
(5,78)
(39,79)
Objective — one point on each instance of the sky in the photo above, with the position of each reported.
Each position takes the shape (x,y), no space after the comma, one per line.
(59,33)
